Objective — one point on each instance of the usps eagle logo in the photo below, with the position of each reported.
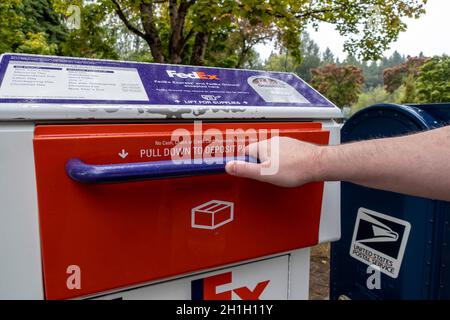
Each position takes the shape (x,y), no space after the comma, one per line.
(380,240)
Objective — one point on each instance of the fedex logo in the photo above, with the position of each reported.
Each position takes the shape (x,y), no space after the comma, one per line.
(206,288)
(192,75)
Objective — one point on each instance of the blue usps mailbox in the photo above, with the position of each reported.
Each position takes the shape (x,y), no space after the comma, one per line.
(393,246)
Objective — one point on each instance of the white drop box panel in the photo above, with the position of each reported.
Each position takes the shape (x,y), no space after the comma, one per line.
(264,280)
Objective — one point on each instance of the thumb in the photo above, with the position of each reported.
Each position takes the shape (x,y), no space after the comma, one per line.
(243,169)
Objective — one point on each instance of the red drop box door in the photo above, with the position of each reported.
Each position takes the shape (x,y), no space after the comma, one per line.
(97,237)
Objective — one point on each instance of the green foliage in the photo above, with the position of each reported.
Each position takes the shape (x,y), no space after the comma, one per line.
(373,24)
(36,43)
(428,83)
(377,95)
(398,75)
(373,71)
(433,81)
(212,32)
(10,22)
(416,80)
(222,51)
(94,39)
(310,57)
(233,47)
(409,94)
(30,26)
(328,57)
(185,34)
(40,17)
(280,62)
(340,84)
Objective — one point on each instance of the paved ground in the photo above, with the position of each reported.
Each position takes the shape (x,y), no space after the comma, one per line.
(320,272)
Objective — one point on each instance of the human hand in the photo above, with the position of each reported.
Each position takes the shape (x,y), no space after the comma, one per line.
(284,162)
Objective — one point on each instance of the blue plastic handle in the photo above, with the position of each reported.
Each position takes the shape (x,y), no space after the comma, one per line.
(136,171)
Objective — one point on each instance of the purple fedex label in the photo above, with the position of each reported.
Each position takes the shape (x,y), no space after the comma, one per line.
(40,79)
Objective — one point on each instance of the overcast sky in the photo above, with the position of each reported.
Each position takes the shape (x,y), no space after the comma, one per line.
(430,34)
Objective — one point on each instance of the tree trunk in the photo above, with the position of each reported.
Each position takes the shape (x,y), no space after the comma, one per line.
(243,53)
(151,32)
(199,50)
(177,22)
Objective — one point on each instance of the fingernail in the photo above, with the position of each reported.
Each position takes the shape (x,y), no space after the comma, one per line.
(231,167)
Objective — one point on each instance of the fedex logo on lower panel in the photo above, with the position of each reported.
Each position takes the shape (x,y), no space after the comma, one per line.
(212,288)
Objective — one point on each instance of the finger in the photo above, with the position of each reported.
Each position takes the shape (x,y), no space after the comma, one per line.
(243,169)
(259,150)
(252,150)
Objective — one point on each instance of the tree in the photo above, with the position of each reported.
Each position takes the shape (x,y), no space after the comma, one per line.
(127,45)
(328,57)
(179,31)
(29,26)
(281,62)
(222,49)
(10,21)
(233,45)
(40,17)
(394,77)
(372,75)
(409,84)
(310,58)
(247,36)
(351,60)
(395,59)
(36,43)
(340,84)
(377,95)
(433,84)
(92,39)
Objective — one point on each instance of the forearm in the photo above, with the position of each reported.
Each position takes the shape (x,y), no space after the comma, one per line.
(417,164)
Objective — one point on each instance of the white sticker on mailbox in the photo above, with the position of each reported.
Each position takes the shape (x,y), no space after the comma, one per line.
(24,80)
(380,240)
(275,90)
